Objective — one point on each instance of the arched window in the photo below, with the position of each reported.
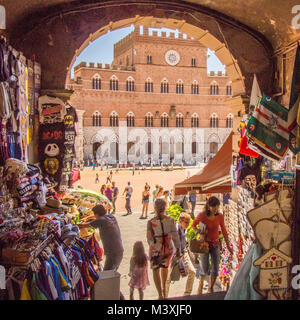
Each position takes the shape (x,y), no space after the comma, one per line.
(195,87)
(130,119)
(96,82)
(149,120)
(213,147)
(194,148)
(164,86)
(214,121)
(114,119)
(114,83)
(228,90)
(149,85)
(229,121)
(195,120)
(130,84)
(179,120)
(214,88)
(164,120)
(96,119)
(149,59)
(179,87)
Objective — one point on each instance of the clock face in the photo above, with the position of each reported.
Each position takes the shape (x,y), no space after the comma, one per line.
(172,57)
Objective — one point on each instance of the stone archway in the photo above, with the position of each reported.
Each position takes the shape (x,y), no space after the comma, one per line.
(46,33)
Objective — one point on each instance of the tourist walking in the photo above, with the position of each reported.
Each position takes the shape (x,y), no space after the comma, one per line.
(129,188)
(102,189)
(166,197)
(109,176)
(97,178)
(127,204)
(94,165)
(213,221)
(159,193)
(115,195)
(154,194)
(162,236)
(138,271)
(110,236)
(193,200)
(108,192)
(184,221)
(145,202)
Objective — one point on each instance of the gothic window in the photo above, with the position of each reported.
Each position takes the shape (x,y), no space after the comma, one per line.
(214,121)
(229,121)
(193,62)
(213,147)
(164,86)
(194,147)
(114,83)
(228,90)
(179,87)
(195,121)
(214,89)
(96,82)
(130,119)
(130,84)
(149,85)
(179,120)
(149,120)
(195,87)
(96,119)
(114,119)
(164,120)
(149,59)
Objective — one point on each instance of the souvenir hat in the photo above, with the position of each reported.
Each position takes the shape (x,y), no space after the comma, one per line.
(53,205)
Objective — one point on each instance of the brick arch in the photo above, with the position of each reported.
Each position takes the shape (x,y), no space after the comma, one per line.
(46,33)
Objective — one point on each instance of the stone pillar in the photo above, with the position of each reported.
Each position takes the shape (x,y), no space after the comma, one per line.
(188,138)
(155,144)
(200,144)
(79,137)
(122,141)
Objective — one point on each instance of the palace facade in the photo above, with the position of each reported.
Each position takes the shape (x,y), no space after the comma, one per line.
(155,101)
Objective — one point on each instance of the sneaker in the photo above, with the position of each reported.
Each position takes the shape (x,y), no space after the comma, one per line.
(126,214)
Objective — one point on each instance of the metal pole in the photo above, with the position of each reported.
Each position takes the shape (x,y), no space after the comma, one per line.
(296,226)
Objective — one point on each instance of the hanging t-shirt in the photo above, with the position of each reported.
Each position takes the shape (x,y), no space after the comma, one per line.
(51,109)
(70,117)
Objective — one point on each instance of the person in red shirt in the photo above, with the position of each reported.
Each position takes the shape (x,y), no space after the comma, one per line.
(213,220)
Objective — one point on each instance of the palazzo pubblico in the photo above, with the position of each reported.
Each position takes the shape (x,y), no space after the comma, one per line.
(156,101)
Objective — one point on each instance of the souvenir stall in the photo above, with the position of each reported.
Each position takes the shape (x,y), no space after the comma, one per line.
(19,89)
(57,139)
(41,249)
(260,219)
(40,246)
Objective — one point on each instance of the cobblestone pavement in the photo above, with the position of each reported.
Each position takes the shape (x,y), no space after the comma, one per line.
(133,228)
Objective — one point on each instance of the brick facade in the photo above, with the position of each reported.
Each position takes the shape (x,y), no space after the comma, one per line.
(131,62)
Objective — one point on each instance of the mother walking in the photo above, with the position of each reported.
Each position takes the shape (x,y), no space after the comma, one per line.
(162,236)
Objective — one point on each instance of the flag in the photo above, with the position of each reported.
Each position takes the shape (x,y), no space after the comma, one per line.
(268,127)
(243,145)
(255,93)
(294,141)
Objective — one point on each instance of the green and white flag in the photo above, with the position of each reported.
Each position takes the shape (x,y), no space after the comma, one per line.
(268,127)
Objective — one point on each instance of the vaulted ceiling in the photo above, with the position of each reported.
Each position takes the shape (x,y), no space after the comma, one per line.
(270,18)
(55,30)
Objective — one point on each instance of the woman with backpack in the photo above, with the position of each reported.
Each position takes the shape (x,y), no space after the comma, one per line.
(162,237)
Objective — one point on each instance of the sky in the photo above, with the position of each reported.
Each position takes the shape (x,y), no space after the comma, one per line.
(101,50)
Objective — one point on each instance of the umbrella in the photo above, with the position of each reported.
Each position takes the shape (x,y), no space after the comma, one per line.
(85,193)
